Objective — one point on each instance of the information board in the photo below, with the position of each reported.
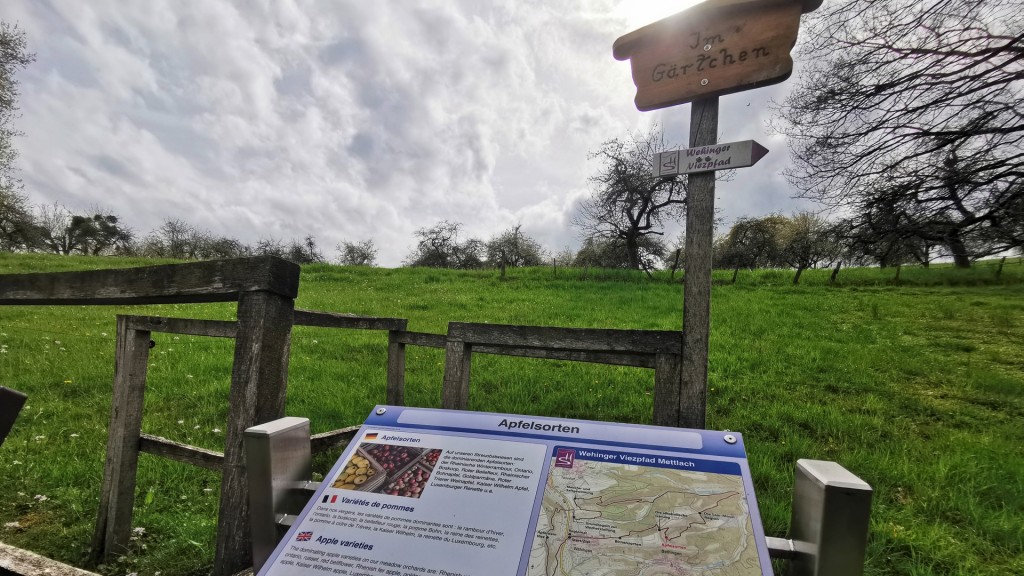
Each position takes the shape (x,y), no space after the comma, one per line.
(454,493)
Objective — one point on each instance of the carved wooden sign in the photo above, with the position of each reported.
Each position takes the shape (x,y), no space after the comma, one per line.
(717,47)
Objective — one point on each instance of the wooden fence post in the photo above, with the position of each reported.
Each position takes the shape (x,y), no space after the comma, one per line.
(259,380)
(117,496)
(457,361)
(700,217)
(396,370)
(667,375)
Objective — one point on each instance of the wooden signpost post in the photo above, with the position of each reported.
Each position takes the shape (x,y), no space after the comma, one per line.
(715,48)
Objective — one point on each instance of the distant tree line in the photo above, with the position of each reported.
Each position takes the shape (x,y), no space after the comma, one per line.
(57,230)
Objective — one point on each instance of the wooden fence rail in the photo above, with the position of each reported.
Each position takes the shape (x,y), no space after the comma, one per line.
(265,289)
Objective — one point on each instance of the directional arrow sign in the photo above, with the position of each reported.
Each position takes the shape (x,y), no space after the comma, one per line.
(724,156)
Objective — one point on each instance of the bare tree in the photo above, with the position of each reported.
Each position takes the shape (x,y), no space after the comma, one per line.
(270,247)
(305,252)
(362,253)
(629,203)
(914,108)
(440,247)
(173,239)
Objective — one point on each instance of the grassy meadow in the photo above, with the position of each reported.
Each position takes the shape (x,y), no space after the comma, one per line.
(915,385)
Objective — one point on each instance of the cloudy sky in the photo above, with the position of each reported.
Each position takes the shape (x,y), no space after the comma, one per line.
(346,119)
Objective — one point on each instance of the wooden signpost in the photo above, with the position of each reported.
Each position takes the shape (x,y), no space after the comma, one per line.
(715,48)
(724,156)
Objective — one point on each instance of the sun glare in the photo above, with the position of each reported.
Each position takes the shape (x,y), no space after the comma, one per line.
(642,12)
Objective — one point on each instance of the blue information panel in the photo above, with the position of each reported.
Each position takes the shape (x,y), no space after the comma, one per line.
(456,493)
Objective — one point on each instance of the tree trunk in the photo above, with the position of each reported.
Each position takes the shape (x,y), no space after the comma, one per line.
(735,273)
(835,273)
(961,259)
(633,250)
(799,271)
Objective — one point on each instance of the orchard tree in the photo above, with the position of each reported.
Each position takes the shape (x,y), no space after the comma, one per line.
(805,241)
(629,204)
(18,226)
(515,249)
(613,253)
(915,108)
(440,247)
(172,239)
(60,231)
(362,253)
(305,252)
(14,55)
(752,243)
(270,247)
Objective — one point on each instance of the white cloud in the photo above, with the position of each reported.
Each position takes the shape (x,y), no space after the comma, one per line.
(345,120)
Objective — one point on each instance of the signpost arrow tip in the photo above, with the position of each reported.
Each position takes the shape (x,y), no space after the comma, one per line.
(756,152)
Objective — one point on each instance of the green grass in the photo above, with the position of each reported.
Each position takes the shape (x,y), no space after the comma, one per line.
(916,386)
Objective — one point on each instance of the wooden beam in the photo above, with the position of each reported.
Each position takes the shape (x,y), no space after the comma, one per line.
(667,376)
(18,562)
(117,495)
(455,388)
(396,371)
(212,328)
(350,321)
(613,358)
(259,380)
(587,339)
(213,281)
(700,216)
(179,452)
(421,339)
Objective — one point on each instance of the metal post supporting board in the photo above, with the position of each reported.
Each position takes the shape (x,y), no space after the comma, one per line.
(279,462)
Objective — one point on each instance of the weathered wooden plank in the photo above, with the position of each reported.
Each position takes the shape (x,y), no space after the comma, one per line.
(589,339)
(700,215)
(667,375)
(421,339)
(259,380)
(396,371)
(350,321)
(333,439)
(18,562)
(213,281)
(455,389)
(117,495)
(184,453)
(212,328)
(614,358)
